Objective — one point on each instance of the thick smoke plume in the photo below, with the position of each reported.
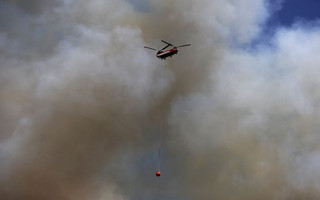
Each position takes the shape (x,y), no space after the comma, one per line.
(84,108)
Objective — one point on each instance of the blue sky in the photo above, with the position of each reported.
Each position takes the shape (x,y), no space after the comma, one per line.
(286,15)
(293,10)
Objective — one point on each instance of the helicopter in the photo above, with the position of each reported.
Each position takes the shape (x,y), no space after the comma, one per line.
(163,54)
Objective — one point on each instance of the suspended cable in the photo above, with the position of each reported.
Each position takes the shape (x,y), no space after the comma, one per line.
(158,172)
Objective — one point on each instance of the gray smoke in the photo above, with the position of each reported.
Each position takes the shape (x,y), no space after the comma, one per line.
(82,102)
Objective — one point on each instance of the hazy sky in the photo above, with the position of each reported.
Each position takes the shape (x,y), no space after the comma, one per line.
(84,107)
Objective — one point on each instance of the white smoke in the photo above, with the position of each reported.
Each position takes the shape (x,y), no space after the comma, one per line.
(82,101)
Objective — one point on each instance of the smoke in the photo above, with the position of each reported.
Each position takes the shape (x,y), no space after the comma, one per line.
(82,102)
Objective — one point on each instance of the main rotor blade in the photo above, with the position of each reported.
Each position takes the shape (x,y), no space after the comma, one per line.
(150,48)
(185,45)
(166,42)
(166,47)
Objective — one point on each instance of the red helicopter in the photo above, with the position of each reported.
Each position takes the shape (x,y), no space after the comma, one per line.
(163,54)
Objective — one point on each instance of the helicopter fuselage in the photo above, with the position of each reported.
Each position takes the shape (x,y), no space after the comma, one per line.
(167,53)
